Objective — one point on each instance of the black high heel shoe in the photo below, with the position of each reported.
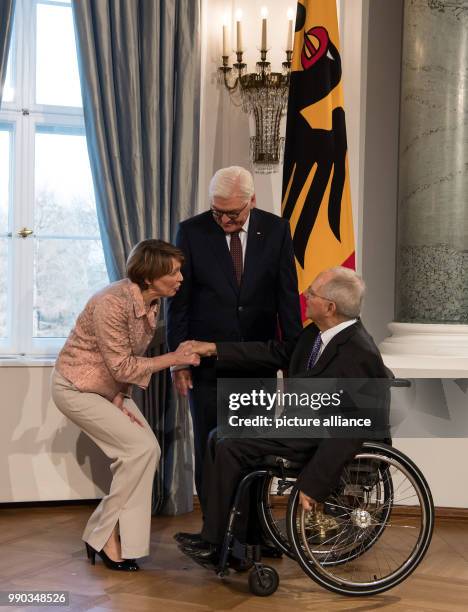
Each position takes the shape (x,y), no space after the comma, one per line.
(126,565)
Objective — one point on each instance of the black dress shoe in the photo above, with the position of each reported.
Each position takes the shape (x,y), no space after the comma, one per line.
(204,553)
(126,565)
(187,538)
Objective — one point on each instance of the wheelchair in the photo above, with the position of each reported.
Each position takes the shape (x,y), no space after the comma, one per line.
(374,530)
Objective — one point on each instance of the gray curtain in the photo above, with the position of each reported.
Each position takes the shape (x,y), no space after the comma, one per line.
(140,79)
(7,10)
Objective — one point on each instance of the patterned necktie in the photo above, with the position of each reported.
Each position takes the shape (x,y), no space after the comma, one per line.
(314,352)
(236,254)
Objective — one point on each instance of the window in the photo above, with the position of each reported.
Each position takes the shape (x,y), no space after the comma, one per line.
(51,257)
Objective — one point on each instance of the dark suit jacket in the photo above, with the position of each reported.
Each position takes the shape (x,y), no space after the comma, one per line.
(210,306)
(352,353)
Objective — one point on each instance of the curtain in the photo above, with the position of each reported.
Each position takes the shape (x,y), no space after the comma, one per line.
(7,10)
(140,79)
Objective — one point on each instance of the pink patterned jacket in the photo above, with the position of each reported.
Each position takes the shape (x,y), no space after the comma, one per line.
(103,352)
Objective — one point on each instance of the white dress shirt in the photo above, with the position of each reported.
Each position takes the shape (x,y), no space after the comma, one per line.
(328,334)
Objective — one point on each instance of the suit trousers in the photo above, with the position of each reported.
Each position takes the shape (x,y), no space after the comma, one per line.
(226,462)
(203,409)
(135,453)
(203,403)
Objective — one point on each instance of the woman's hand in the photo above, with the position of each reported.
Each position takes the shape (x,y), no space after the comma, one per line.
(119,402)
(185,347)
(185,357)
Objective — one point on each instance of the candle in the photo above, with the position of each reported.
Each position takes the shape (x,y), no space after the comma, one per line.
(225,41)
(263,46)
(238,31)
(289,41)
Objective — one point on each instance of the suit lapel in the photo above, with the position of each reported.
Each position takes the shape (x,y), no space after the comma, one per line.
(255,242)
(331,349)
(217,242)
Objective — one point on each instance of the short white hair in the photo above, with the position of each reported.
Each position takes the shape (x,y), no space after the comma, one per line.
(346,288)
(226,181)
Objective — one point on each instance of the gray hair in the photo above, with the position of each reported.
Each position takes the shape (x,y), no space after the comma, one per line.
(346,288)
(227,180)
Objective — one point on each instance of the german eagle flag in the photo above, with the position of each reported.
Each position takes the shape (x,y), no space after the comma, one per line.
(316,192)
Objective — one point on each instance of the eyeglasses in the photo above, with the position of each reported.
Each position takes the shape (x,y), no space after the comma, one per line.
(231,214)
(310,293)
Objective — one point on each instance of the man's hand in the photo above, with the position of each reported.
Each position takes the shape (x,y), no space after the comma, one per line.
(204,349)
(182,380)
(309,503)
(119,402)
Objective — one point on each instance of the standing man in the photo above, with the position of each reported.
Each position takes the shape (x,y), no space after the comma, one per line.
(240,284)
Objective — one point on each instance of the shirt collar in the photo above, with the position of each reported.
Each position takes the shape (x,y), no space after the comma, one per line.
(328,334)
(138,302)
(245,227)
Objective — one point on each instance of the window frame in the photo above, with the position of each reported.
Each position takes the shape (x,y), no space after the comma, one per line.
(23,116)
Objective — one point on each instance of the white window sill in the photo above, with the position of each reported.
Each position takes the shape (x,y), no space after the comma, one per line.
(29,361)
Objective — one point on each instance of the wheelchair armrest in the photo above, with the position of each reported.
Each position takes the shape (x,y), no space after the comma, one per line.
(400,382)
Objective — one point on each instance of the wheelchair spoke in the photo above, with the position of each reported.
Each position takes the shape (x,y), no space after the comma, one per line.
(334,538)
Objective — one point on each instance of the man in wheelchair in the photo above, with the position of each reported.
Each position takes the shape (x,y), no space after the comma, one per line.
(336,345)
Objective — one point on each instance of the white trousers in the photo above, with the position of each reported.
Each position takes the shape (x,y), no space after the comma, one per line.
(135,453)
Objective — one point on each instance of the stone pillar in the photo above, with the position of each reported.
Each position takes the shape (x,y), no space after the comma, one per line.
(432,240)
(432,266)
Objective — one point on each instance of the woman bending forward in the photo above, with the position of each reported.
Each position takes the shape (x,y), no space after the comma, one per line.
(91,385)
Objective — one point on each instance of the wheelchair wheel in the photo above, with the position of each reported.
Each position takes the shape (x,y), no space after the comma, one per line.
(272,509)
(263,580)
(382,525)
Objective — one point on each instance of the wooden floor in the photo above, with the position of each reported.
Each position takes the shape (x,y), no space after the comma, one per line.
(40,548)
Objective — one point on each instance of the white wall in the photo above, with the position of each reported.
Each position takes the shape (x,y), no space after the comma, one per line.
(43,456)
(378,213)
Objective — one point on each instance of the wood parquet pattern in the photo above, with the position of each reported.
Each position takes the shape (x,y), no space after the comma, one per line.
(41,549)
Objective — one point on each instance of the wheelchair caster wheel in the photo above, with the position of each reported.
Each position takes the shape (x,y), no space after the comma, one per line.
(222,573)
(263,580)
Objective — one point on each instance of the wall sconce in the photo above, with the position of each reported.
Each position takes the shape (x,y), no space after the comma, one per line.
(263,93)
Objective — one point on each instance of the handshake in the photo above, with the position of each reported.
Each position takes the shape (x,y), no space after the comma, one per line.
(188,353)
(193,350)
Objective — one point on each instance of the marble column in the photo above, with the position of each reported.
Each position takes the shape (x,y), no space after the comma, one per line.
(432,267)
(432,241)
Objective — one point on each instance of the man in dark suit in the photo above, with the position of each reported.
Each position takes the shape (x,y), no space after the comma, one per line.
(335,346)
(240,284)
